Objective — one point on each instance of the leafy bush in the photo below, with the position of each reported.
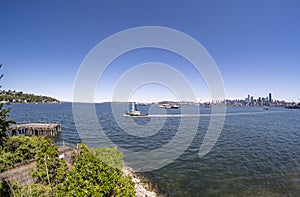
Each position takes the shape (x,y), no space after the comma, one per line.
(50,170)
(96,172)
(35,190)
(92,177)
(109,156)
(19,149)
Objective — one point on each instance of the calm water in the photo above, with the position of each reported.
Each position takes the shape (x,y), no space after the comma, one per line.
(257,153)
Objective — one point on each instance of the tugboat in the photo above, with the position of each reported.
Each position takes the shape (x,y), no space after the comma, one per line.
(134,111)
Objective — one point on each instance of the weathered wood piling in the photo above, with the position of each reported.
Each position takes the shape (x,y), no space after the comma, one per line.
(34,129)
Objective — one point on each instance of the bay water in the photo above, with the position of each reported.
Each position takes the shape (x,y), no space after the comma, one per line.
(257,152)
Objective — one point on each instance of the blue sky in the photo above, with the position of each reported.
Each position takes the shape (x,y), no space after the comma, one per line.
(256,44)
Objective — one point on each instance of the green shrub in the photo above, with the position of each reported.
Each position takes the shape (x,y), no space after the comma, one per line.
(96,172)
(20,149)
(109,156)
(92,177)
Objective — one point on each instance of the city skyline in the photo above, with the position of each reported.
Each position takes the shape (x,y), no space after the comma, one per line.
(254,44)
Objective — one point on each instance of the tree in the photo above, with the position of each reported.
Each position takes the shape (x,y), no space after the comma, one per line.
(4,123)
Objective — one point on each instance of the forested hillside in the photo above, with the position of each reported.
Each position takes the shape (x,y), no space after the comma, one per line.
(20,97)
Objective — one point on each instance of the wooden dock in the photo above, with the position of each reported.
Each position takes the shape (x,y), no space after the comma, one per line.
(34,129)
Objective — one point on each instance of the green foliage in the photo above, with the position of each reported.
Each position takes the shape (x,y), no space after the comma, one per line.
(34,190)
(91,177)
(5,190)
(6,161)
(19,149)
(3,122)
(8,189)
(50,170)
(96,172)
(20,97)
(109,156)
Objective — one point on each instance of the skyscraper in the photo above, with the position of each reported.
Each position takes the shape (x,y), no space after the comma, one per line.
(270,98)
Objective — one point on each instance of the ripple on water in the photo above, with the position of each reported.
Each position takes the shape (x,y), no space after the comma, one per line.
(257,153)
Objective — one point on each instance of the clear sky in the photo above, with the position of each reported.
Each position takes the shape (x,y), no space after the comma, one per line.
(255,43)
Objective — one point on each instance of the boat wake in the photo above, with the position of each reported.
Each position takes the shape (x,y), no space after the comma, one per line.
(206,115)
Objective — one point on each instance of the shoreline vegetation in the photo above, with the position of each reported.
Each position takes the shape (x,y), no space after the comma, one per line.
(84,172)
(14,97)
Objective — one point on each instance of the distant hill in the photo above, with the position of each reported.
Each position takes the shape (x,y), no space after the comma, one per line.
(20,97)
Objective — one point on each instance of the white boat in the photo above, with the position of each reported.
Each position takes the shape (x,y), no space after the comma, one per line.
(134,111)
(169,106)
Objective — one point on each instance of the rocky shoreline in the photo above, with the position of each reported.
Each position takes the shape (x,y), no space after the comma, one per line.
(140,189)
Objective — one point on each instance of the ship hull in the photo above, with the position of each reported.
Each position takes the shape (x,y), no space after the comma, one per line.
(293,107)
(134,115)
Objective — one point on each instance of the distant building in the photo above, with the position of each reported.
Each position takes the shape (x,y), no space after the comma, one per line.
(261,101)
(270,98)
